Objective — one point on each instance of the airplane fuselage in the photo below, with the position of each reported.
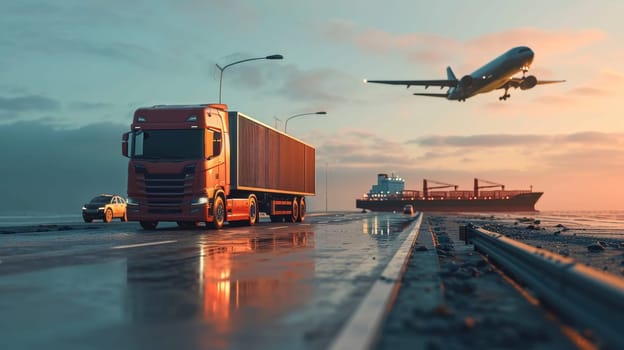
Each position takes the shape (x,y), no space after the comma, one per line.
(494,75)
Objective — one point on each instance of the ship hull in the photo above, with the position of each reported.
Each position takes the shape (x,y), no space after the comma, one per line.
(524,202)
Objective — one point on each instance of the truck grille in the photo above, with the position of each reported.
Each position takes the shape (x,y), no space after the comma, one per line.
(165,192)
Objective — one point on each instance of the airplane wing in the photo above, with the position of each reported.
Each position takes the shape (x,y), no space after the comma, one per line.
(431,95)
(540,82)
(408,83)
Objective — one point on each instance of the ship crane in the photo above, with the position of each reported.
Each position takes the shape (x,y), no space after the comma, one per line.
(426,186)
(491,184)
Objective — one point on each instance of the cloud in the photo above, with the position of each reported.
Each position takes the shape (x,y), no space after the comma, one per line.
(323,87)
(511,140)
(431,49)
(56,171)
(477,140)
(89,106)
(359,148)
(28,103)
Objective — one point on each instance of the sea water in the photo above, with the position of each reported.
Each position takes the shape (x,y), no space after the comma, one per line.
(23,220)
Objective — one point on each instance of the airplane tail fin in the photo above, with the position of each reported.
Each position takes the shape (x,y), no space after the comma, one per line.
(449,74)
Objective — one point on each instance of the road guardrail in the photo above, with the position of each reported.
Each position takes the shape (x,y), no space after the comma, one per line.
(588,297)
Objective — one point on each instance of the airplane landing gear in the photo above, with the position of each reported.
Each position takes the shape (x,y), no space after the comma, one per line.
(505,96)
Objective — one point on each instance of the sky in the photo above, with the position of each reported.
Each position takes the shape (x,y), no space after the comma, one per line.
(72,73)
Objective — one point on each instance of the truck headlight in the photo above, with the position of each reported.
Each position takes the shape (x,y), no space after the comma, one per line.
(199,201)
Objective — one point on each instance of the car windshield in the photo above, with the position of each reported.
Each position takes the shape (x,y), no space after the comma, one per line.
(168,144)
(101,199)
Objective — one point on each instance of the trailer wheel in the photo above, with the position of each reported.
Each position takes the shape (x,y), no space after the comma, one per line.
(302,209)
(218,213)
(148,225)
(294,215)
(253,211)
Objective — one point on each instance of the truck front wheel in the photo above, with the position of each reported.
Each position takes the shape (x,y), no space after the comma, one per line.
(218,213)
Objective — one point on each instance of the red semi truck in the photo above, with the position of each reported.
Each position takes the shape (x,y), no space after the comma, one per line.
(201,163)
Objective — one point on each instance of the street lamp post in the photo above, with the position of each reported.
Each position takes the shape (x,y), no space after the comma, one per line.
(271,57)
(300,115)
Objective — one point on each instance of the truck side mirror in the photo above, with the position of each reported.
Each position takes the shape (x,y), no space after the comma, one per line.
(124,143)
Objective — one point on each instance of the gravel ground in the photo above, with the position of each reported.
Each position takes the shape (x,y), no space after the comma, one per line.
(470,306)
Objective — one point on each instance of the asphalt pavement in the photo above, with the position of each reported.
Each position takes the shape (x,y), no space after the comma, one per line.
(270,286)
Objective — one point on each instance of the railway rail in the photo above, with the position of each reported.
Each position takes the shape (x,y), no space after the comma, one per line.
(585,296)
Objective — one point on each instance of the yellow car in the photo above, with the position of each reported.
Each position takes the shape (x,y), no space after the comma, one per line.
(105,207)
(408,209)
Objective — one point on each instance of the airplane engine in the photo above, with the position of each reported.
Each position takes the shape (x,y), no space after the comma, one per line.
(466,81)
(528,82)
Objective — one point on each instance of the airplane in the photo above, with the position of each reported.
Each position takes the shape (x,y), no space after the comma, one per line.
(497,74)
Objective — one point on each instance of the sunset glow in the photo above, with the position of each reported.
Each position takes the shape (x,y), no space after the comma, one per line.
(72,74)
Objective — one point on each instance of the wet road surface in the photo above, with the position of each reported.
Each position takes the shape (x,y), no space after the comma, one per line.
(288,286)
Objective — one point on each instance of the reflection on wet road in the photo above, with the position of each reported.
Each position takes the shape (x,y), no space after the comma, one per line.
(268,286)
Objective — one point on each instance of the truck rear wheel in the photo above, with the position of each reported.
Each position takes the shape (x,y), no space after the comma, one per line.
(149,225)
(302,209)
(253,211)
(218,213)
(294,215)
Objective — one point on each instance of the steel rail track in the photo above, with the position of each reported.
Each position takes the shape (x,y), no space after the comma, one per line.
(588,297)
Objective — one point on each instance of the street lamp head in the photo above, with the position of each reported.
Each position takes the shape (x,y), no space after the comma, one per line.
(322,112)
(274,57)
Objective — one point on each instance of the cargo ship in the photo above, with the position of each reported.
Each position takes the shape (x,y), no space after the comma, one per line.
(389,194)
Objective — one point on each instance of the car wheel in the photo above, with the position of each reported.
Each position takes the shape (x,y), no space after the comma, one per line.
(149,225)
(87,219)
(108,216)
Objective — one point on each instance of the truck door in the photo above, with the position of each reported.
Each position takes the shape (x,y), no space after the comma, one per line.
(215,164)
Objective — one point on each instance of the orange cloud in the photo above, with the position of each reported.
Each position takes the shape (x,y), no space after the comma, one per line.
(429,48)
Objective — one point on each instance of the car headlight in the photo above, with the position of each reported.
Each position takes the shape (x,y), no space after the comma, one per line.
(84,208)
(132,201)
(101,208)
(199,201)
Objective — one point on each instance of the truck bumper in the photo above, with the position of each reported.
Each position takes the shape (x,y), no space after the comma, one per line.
(195,213)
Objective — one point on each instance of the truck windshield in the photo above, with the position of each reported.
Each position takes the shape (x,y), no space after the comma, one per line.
(168,144)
